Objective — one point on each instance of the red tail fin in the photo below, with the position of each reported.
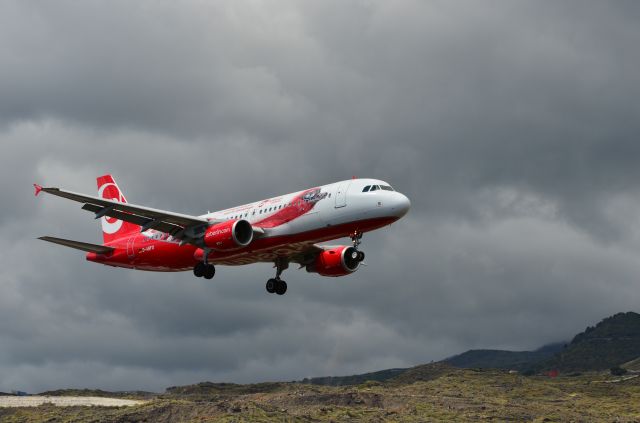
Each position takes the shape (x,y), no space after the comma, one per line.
(113,229)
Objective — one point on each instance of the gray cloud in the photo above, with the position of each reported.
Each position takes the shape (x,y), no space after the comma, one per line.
(511,126)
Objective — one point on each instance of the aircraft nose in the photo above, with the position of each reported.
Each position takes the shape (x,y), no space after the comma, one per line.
(401,204)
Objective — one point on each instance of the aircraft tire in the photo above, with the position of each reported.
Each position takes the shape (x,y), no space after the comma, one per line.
(198,270)
(271,286)
(360,256)
(281,287)
(209,271)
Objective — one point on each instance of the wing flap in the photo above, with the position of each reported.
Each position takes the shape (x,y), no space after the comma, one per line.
(145,222)
(83,246)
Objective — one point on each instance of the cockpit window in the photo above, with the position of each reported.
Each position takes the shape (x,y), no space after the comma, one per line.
(371,188)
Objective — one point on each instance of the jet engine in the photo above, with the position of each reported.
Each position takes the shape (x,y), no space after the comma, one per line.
(229,235)
(337,261)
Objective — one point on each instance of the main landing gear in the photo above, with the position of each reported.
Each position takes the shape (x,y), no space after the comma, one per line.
(356,238)
(204,269)
(276,284)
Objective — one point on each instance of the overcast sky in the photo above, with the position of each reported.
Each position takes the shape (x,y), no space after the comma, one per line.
(513,127)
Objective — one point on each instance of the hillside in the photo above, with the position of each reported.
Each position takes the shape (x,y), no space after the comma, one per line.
(612,342)
(378,376)
(441,391)
(633,365)
(433,392)
(501,359)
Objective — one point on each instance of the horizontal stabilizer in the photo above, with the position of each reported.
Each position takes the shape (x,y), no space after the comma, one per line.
(83,246)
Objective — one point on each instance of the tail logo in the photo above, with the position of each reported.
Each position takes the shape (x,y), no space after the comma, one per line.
(111,225)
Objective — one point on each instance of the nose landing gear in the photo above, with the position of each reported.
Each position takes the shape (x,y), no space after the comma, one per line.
(356,238)
(277,285)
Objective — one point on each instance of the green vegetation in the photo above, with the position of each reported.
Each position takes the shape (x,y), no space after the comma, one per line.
(612,342)
(433,392)
(633,365)
(599,381)
(618,371)
(379,376)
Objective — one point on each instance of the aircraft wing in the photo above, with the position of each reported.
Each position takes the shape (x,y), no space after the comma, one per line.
(300,253)
(180,226)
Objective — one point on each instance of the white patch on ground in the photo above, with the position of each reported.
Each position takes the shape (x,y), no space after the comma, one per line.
(36,400)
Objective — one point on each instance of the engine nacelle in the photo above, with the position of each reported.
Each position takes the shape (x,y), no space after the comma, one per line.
(229,235)
(338,261)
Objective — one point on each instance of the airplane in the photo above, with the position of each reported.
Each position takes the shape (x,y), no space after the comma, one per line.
(281,230)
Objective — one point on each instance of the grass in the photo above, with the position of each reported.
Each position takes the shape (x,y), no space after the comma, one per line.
(443,395)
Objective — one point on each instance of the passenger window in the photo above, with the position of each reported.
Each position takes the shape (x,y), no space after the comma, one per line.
(366,189)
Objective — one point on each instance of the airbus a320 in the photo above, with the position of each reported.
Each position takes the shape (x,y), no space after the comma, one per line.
(281,230)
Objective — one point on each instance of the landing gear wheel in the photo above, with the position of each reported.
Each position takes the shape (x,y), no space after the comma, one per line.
(271,286)
(209,271)
(198,270)
(276,284)
(281,287)
(360,256)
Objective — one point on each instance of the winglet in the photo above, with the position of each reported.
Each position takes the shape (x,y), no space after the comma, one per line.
(38,189)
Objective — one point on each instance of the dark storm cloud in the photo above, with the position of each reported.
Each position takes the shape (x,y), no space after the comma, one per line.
(511,125)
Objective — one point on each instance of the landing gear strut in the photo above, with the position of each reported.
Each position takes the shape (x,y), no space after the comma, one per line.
(356,238)
(204,269)
(276,284)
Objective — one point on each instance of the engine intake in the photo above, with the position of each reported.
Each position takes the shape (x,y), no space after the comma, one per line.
(229,235)
(338,261)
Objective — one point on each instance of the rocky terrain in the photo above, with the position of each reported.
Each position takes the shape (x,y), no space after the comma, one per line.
(433,392)
(598,380)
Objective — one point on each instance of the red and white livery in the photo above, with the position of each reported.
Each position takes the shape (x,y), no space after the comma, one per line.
(281,230)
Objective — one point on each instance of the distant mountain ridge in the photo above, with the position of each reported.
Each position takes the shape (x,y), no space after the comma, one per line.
(612,342)
(503,359)
(378,376)
(615,341)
